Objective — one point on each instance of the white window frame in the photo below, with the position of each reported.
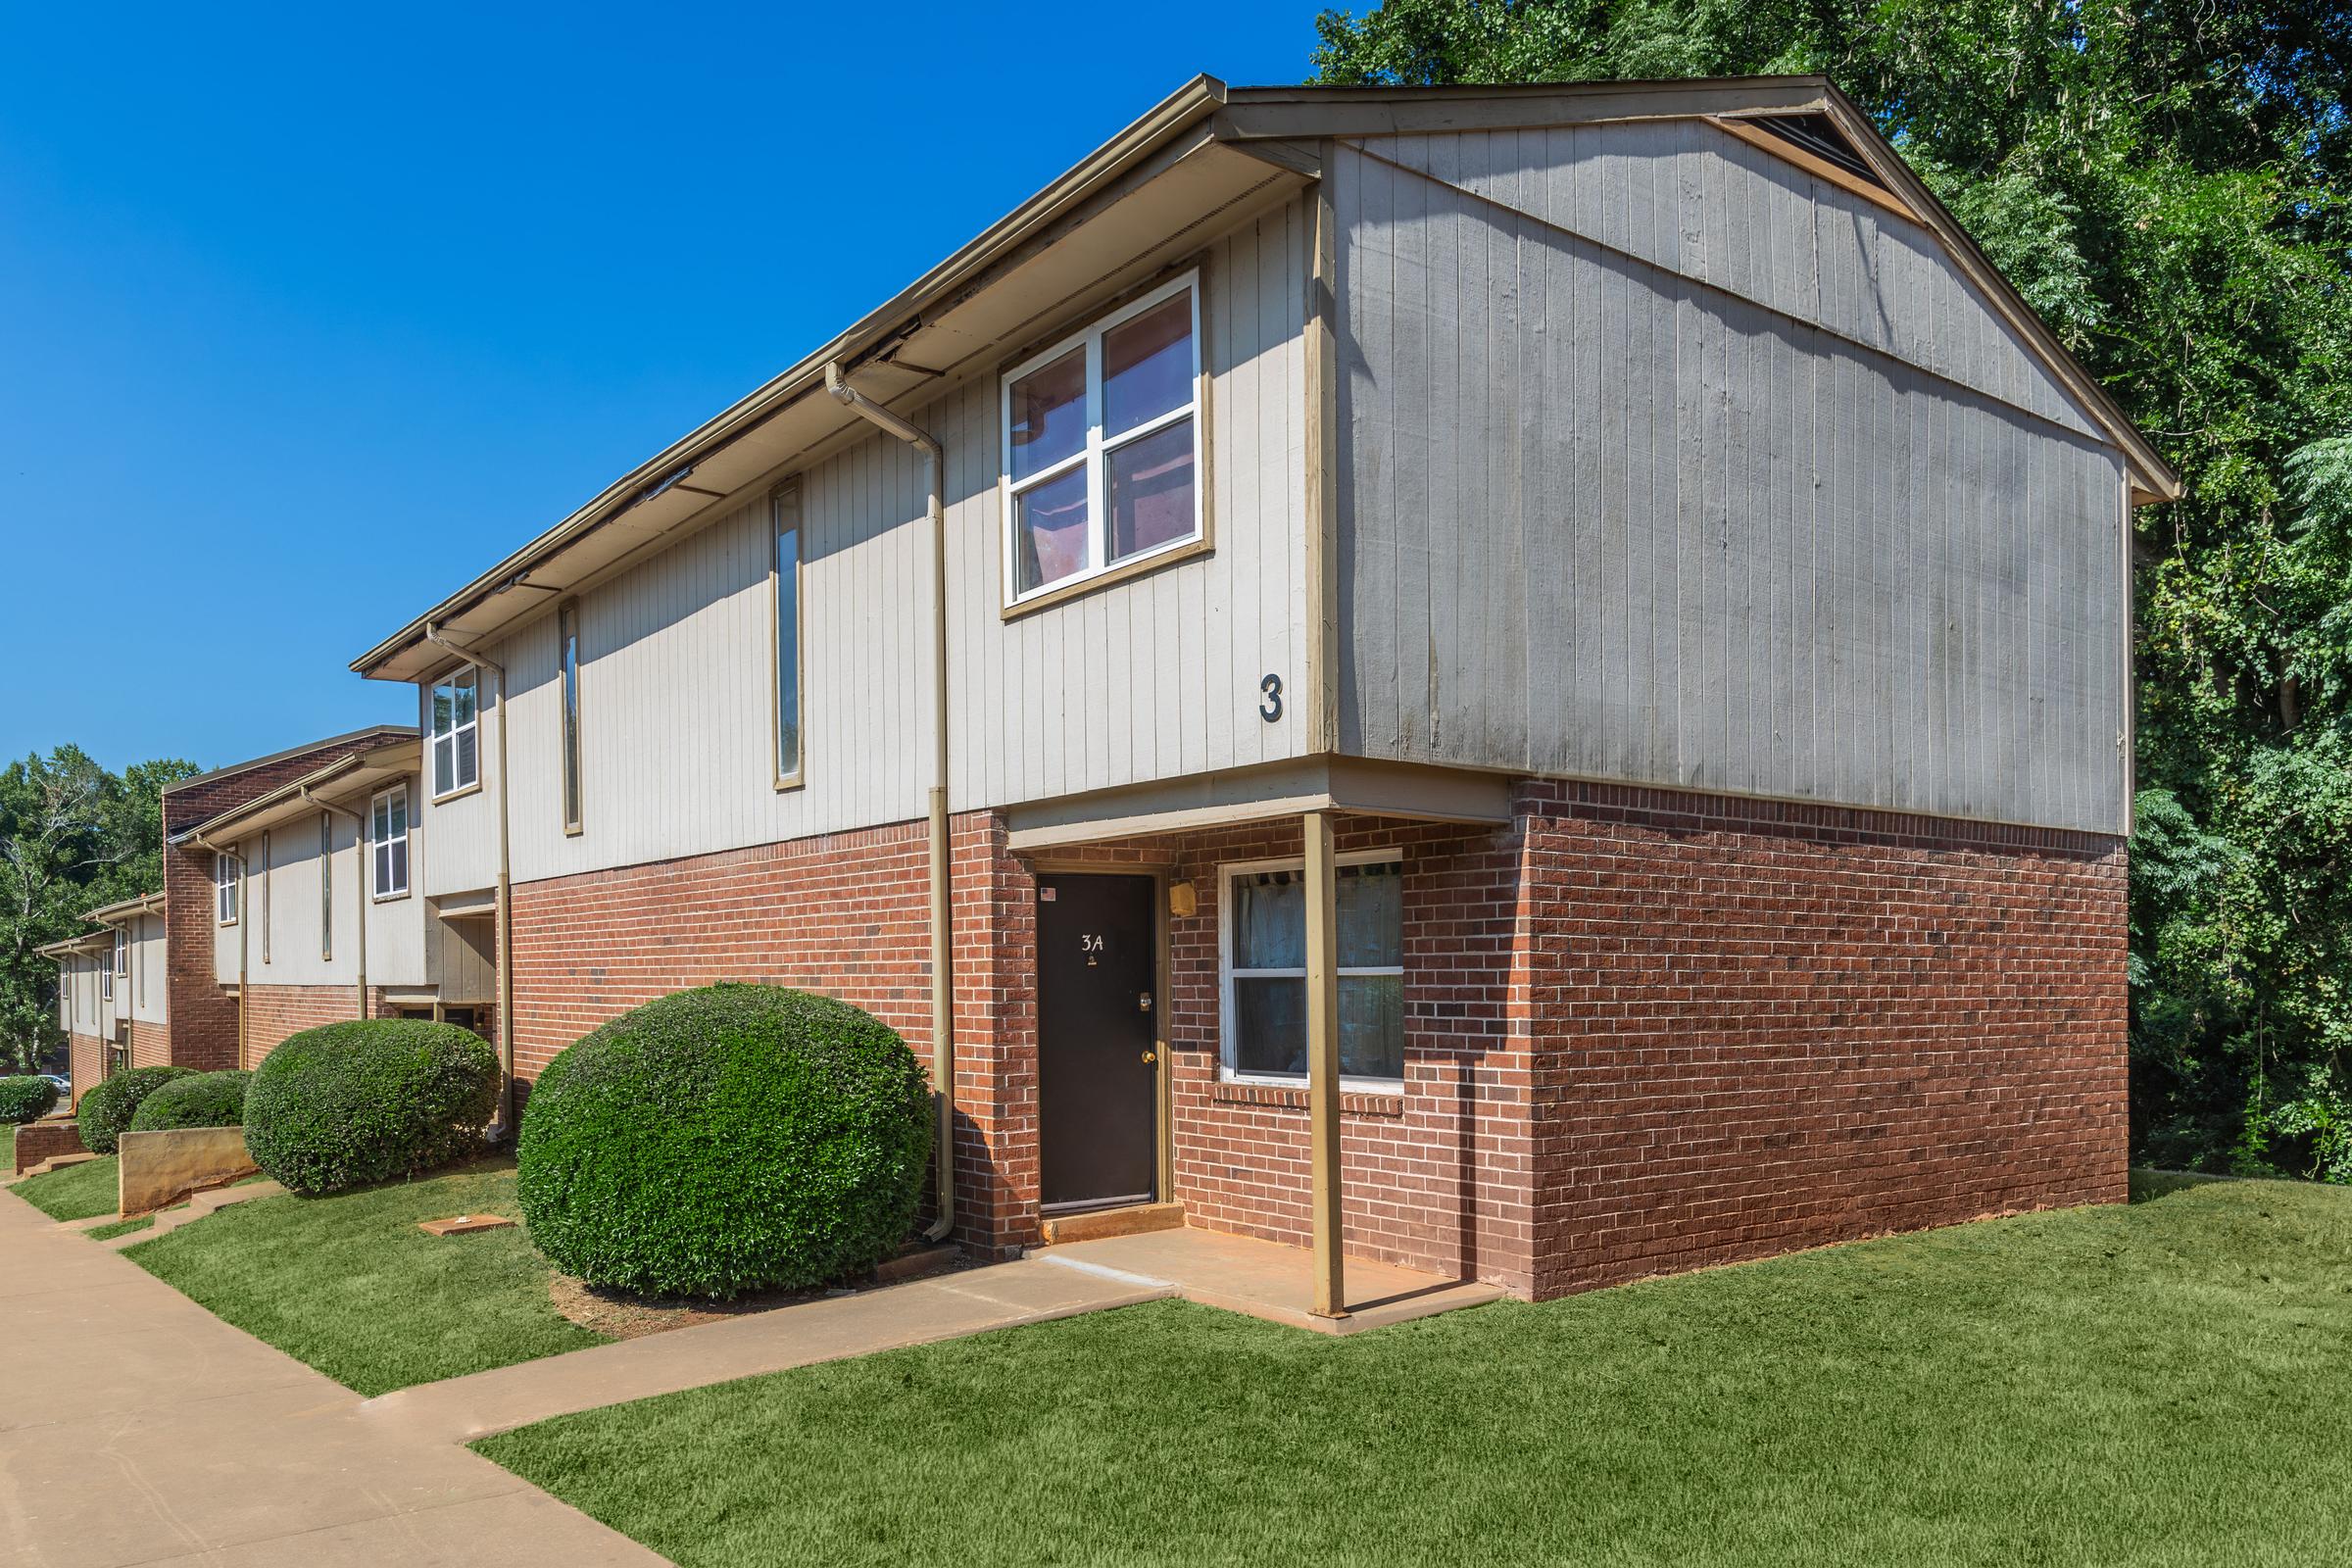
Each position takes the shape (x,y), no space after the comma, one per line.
(436,737)
(226,897)
(106,974)
(1096,452)
(1227,1045)
(378,892)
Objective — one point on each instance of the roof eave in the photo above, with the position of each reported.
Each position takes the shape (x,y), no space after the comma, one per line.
(1195,101)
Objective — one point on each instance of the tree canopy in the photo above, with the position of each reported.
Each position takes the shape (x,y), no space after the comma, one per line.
(73,837)
(2162,179)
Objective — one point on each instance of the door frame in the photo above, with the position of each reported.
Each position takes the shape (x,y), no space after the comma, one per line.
(1161,873)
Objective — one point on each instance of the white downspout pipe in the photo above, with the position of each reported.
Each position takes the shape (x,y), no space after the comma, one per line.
(505,900)
(943,993)
(362,885)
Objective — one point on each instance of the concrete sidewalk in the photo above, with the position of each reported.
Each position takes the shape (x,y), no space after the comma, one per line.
(945,1306)
(138,1428)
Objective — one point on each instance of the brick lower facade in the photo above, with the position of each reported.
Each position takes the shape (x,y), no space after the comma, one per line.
(45,1140)
(85,1057)
(1645,1030)
(273,1013)
(150,1044)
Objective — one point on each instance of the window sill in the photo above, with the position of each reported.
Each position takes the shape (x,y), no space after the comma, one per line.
(1352,1102)
(474,788)
(1125,572)
(388,898)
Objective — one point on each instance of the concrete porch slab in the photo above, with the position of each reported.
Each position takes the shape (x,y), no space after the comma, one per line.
(1266,1280)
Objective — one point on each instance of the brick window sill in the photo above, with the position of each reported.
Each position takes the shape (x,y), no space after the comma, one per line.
(1352,1103)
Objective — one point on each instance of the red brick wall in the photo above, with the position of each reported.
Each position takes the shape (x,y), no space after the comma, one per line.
(1772,1026)
(85,1055)
(150,1044)
(45,1140)
(273,1013)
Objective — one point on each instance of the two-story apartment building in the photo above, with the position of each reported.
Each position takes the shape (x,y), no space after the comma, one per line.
(1533,682)
(158,983)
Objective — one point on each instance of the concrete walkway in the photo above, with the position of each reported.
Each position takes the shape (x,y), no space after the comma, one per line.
(137,1428)
(945,1306)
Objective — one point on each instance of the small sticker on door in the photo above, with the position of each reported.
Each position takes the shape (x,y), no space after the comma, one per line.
(1046,895)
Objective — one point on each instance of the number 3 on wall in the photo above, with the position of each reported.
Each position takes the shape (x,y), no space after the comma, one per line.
(1270,689)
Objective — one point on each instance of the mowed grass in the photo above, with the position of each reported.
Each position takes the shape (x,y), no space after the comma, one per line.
(2164,1384)
(78,1192)
(350,1284)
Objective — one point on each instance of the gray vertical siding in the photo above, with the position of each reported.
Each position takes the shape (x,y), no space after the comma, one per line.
(1150,678)
(1668,463)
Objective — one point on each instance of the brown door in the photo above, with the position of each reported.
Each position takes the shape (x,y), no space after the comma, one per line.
(1098,1080)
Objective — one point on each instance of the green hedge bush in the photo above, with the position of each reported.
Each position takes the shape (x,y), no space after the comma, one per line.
(26,1099)
(208,1100)
(107,1109)
(732,1139)
(370,1100)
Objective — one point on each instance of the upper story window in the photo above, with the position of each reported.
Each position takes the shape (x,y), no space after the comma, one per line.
(568,667)
(106,976)
(457,756)
(224,887)
(388,841)
(267,905)
(326,888)
(1103,444)
(1264,971)
(785,507)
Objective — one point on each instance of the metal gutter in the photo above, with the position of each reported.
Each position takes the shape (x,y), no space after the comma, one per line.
(942,985)
(267,800)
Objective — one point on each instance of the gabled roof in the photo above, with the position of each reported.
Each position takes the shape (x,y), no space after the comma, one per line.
(88,941)
(1206,152)
(373,733)
(353,774)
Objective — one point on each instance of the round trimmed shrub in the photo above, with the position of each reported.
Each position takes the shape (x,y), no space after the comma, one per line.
(26,1099)
(107,1109)
(206,1100)
(732,1139)
(370,1100)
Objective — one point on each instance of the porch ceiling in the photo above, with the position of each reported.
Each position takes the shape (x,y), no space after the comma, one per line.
(1348,784)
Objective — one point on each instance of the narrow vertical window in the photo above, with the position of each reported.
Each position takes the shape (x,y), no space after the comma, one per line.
(457,751)
(224,887)
(567,655)
(388,841)
(787,508)
(326,888)
(265,903)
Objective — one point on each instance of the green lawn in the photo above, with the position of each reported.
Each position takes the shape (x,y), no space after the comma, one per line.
(78,1192)
(350,1284)
(121,1227)
(2167,1383)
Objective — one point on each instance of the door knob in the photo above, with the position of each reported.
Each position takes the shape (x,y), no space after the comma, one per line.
(1143,1002)
(1151,1056)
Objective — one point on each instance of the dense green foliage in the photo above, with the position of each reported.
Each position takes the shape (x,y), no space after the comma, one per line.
(2162,180)
(350,1284)
(202,1100)
(25,1098)
(77,1192)
(727,1140)
(2099,1386)
(107,1110)
(73,837)
(368,1099)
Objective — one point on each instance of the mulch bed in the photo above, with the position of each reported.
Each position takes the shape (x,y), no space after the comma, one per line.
(624,1315)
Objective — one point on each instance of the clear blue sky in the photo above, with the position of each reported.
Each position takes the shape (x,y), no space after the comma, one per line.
(308,316)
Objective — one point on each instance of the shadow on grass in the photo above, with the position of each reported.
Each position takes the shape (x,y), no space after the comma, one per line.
(2147,1185)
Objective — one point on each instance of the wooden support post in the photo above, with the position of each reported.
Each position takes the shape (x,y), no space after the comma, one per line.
(1323,1062)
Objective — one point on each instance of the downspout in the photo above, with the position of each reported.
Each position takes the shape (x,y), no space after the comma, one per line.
(359,884)
(943,994)
(505,903)
(244,930)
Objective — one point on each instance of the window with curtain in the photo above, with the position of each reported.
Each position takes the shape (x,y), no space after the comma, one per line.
(1264,971)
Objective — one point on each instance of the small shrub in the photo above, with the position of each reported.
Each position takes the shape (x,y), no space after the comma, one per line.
(107,1109)
(370,1100)
(206,1100)
(26,1099)
(731,1138)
